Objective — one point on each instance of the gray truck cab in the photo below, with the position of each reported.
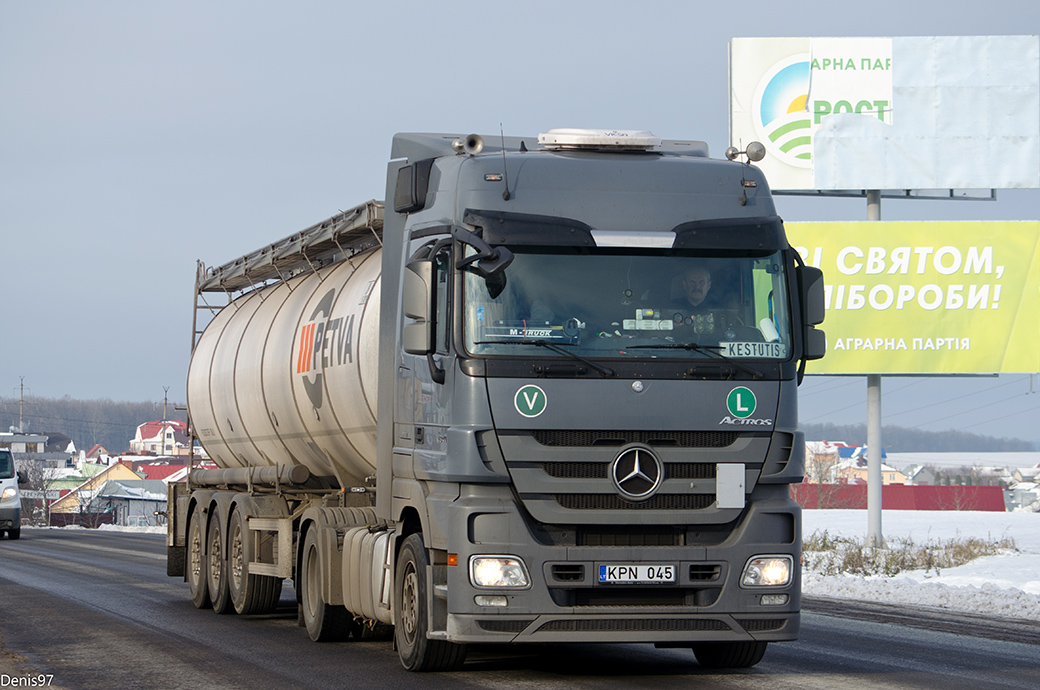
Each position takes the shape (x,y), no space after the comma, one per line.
(593,411)
(10,500)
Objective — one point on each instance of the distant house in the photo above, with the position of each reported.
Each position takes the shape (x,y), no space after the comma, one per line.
(1027,474)
(79,498)
(161,438)
(23,443)
(851,471)
(132,502)
(991,476)
(158,471)
(920,475)
(98,452)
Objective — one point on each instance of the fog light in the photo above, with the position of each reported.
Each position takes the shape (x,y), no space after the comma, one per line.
(767,571)
(504,572)
(774,599)
(488,600)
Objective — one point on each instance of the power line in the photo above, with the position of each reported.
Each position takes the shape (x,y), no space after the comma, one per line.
(949,400)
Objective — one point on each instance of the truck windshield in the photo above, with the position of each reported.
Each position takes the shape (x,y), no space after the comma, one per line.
(6,465)
(624,303)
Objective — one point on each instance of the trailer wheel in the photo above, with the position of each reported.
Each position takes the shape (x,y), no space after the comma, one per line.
(729,654)
(417,652)
(324,622)
(196,569)
(250,593)
(216,567)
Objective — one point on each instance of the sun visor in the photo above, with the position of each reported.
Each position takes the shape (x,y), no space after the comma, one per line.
(765,233)
(502,227)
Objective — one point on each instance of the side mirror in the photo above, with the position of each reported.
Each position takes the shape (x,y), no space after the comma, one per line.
(22,478)
(810,283)
(417,299)
(815,344)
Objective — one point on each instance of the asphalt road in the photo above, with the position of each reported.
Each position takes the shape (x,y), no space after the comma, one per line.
(82,609)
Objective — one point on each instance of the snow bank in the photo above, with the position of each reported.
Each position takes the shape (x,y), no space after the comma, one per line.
(1006,585)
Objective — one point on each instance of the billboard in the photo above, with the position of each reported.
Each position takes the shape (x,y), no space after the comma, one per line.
(945,112)
(927,297)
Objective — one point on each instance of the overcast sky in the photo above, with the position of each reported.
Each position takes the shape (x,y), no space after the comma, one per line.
(137,137)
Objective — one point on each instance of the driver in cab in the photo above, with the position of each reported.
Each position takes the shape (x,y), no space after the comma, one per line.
(696,285)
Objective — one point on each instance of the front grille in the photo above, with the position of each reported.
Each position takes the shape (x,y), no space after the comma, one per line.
(611,437)
(634,625)
(615,502)
(590,535)
(576,470)
(513,626)
(763,625)
(601,470)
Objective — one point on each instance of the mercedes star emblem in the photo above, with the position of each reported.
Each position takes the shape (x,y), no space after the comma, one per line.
(637,473)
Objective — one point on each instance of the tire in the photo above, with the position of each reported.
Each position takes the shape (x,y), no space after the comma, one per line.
(216,567)
(729,654)
(195,569)
(417,651)
(15,533)
(324,622)
(250,594)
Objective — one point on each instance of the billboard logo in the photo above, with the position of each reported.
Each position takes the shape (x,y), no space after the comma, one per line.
(782,120)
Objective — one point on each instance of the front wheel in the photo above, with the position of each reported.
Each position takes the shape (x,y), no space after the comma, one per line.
(417,651)
(15,533)
(729,654)
(324,622)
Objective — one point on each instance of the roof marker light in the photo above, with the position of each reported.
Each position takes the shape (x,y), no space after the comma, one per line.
(599,139)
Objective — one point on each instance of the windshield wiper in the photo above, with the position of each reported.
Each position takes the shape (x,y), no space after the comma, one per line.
(712,350)
(605,371)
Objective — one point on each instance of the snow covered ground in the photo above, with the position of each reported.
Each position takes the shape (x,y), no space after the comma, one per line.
(1004,585)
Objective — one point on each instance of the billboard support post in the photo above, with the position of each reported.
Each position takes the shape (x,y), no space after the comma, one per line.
(874,535)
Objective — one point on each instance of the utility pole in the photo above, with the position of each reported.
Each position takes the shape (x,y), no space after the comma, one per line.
(21,404)
(874,534)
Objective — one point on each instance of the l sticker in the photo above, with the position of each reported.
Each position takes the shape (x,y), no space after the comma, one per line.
(530,401)
(741,402)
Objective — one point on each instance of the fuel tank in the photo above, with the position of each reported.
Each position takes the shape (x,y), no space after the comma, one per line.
(286,375)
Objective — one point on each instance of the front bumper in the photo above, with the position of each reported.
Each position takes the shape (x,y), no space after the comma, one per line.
(565,602)
(10,517)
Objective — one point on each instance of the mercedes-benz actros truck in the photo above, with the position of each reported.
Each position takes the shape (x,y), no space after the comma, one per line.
(546,392)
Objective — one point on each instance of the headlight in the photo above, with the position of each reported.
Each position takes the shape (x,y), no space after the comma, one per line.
(767,571)
(9,492)
(507,572)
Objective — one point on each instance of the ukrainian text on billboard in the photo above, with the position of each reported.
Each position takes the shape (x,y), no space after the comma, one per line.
(927,297)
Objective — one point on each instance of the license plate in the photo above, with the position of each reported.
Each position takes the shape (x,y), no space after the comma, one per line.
(630,573)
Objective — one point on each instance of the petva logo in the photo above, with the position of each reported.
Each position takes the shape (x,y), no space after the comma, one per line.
(782,120)
(322,342)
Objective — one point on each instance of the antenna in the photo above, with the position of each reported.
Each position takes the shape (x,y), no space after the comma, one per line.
(505,173)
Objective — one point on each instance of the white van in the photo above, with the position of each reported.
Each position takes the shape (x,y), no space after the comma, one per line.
(10,500)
